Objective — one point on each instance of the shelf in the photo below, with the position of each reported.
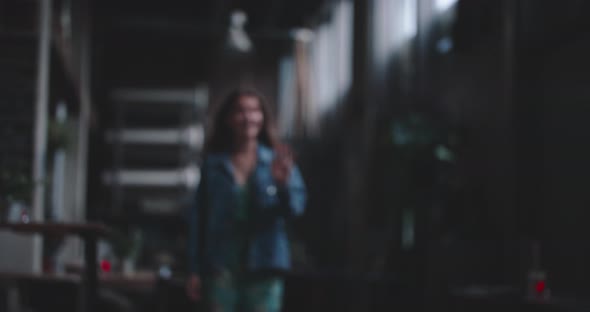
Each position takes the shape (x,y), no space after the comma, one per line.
(196,96)
(188,177)
(191,136)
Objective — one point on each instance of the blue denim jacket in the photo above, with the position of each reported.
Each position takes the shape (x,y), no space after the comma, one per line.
(272,207)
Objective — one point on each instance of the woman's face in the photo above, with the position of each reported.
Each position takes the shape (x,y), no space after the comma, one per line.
(246,118)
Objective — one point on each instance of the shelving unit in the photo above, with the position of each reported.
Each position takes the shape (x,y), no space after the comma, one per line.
(155,143)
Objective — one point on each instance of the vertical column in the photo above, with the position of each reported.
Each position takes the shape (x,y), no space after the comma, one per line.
(84,45)
(424,18)
(422,101)
(356,152)
(40,131)
(302,65)
(90,290)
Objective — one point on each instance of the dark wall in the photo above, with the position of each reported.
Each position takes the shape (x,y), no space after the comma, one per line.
(526,158)
(513,85)
(556,98)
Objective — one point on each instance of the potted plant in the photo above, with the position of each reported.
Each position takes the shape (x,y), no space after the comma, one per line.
(127,249)
(17,187)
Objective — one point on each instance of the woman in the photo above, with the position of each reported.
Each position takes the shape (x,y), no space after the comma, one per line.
(250,190)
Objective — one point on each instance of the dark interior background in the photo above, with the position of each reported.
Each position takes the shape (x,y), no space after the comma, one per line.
(510,99)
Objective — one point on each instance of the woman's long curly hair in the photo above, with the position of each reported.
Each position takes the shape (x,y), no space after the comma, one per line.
(221,138)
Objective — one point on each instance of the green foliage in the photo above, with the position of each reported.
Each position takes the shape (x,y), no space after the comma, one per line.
(416,134)
(125,246)
(15,183)
(422,159)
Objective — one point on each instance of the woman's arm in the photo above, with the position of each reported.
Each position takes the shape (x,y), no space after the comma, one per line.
(292,195)
(193,232)
(290,186)
(193,283)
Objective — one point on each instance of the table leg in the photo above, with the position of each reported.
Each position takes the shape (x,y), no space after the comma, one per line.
(13,298)
(91,275)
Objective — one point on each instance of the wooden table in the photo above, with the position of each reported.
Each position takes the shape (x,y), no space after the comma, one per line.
(89,232)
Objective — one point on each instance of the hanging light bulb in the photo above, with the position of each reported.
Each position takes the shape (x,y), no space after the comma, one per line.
(238,39)
(302,34)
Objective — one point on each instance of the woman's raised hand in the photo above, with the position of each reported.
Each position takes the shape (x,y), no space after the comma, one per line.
(282,164)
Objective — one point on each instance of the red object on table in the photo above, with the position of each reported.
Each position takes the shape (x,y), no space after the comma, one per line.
(105,265)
